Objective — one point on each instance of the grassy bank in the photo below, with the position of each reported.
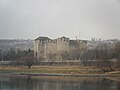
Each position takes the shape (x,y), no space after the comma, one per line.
(59,70)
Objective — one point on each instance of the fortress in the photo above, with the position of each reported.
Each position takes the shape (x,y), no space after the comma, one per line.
(58,49)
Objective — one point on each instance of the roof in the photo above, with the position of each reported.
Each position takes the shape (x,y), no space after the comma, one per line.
(63,37)
(42,38)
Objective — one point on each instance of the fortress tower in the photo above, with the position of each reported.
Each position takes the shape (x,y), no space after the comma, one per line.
(40,47)
(62,44)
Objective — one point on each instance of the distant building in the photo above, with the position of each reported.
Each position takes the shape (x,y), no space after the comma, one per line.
(46,48)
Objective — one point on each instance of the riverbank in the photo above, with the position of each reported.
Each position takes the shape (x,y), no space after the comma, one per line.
(76,71)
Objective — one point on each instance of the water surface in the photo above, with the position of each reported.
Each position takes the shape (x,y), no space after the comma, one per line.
(43,83)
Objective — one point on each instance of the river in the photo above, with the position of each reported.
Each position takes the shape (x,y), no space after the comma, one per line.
(56,83)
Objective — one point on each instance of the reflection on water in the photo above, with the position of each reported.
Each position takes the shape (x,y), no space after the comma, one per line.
(28,83)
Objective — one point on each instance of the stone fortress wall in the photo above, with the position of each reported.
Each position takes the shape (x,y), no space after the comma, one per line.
(46,48)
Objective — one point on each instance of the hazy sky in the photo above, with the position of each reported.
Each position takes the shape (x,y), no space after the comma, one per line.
(28,19)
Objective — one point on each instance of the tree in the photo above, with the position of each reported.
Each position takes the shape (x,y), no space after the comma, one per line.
(29,64)
(117,51)
(28,60)
(24,58)
(65,55)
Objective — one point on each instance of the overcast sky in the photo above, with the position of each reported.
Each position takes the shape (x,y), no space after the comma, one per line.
(28,19)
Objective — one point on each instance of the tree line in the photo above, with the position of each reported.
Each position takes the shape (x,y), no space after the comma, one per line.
(101,52)
(19,57)
(12,54)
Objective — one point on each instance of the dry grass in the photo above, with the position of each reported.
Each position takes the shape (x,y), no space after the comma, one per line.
(55,69)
